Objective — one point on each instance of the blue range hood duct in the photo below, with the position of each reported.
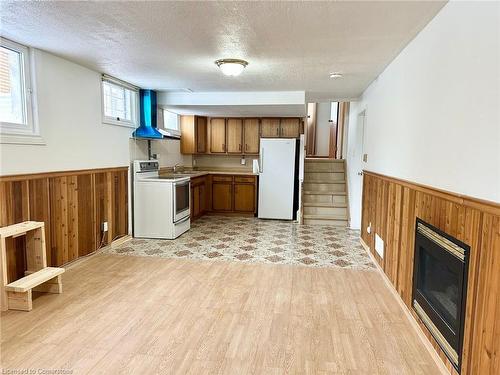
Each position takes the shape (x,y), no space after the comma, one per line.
(148,125)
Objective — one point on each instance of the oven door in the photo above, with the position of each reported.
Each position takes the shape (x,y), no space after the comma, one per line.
(181,200)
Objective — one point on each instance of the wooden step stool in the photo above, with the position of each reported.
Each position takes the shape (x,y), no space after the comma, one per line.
(17,294)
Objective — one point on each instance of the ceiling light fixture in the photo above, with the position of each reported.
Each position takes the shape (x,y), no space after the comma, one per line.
(336,75)
(231,67)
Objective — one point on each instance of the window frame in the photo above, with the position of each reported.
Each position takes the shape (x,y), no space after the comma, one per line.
(178,118)
(27,132)
(108,120)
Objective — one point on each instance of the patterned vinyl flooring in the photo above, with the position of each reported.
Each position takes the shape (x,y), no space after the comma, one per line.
(251,240)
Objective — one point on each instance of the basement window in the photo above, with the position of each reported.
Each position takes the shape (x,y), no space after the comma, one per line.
(170,120)
(17,123)
(120,101)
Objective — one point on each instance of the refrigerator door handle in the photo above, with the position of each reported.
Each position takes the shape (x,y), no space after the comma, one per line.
(261,161)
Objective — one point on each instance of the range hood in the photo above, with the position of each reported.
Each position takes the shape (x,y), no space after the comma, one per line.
(148,121)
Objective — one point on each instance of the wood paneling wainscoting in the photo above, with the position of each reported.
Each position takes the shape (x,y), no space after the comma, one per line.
(391,206)
(72,204)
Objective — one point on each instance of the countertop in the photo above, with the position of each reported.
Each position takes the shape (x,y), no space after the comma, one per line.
(193,173)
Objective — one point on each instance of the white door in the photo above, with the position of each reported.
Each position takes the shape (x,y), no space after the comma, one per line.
(276,178)
(356,171)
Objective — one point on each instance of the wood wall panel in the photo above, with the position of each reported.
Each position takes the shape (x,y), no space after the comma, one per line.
(101,204)
(485,350)
(39,209)
(391,206)
(59,220)
(120,206)
(73,205)
(86,225)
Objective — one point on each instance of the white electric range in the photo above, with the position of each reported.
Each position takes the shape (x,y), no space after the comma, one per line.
(161,205)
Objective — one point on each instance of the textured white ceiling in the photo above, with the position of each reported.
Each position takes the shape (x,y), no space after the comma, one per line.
(172,45)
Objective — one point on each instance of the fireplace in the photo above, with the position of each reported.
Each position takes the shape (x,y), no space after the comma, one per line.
(440,287)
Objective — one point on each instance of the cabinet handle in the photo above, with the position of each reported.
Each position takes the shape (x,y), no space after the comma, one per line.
(240,146)
(223,147)
(246,147)
(277,131)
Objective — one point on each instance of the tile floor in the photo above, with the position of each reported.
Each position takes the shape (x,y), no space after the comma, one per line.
(252,240)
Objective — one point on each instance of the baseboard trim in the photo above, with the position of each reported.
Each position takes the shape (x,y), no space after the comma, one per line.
(406,311)
(117,242)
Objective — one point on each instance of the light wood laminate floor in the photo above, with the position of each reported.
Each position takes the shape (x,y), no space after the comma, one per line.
(137,315)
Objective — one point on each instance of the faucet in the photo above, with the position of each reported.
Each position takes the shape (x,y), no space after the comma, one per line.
(176,167)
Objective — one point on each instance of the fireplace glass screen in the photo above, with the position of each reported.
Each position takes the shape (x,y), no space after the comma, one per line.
(440,286)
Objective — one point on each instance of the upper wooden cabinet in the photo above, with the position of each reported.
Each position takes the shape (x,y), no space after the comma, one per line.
(270,127)
(193,134)
(276,127)
(201,135)
(218,135)
(251,135)
(290,127)
(233,135)
(234,128)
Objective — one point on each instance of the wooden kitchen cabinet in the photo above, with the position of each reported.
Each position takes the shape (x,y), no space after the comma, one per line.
(251,135)
(234,194)
(244,197)
(234,131)
(201,135)
(222,196)
(218,135)
(270,127)
(193,134)
(198,197)
(290,127)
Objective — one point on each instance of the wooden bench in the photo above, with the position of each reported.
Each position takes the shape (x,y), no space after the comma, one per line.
(46,280)
(17,294)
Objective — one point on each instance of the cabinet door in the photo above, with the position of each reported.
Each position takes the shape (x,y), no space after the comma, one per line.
(195,201)
(290,127)
(201,135)
(234,136)
(244,197)
(187,135)
(218,135)
(222,196)
(270,127)
(202,199)
(251,135)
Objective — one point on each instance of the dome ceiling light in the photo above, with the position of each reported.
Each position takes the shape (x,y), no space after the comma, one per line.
(336,75)
(231,67)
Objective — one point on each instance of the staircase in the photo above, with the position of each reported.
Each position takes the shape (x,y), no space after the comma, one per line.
(325,193)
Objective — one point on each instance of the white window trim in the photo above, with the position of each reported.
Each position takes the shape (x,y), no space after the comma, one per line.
(30,132)
(135,114)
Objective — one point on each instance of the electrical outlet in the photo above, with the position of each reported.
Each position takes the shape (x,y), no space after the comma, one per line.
(105,226)
(379,245)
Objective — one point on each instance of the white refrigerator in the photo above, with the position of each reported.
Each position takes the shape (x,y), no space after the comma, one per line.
(276,178)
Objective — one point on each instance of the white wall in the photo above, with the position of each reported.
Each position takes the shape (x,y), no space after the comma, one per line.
(69,114)
(168,151)
(433,115)
(323,112)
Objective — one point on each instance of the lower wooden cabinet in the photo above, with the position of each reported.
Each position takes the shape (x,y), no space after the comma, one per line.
(198,197)
(217,193)
(234,193)
(244,197)
(222,193)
